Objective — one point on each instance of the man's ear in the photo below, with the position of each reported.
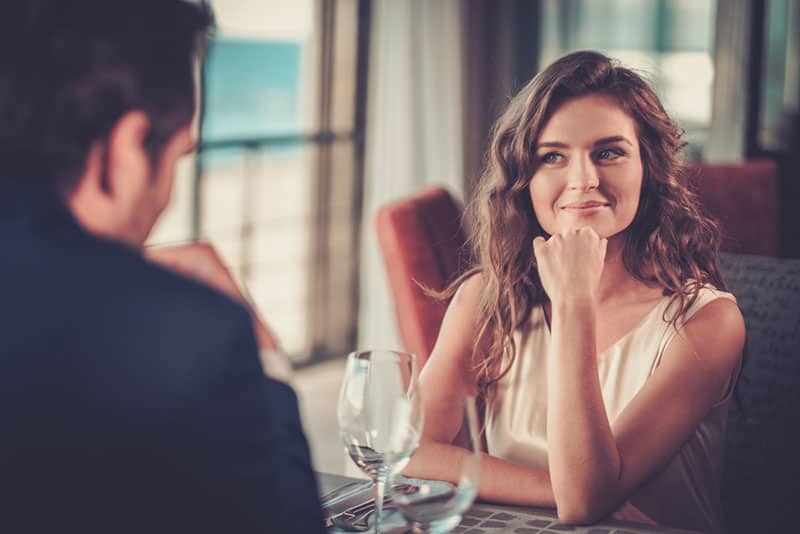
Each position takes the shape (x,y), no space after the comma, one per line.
(116,175)
(127,163)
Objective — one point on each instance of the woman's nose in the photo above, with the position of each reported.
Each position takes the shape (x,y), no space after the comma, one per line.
(583,175)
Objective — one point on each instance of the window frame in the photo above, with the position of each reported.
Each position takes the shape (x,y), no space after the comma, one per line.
(333,19)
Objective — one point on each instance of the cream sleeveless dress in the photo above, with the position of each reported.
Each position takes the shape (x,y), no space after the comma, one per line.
(685,493)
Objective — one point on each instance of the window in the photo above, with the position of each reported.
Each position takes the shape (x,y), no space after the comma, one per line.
(779,82)
(275,185)
(671,42)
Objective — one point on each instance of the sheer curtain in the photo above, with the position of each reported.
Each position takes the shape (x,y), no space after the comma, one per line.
(414,131)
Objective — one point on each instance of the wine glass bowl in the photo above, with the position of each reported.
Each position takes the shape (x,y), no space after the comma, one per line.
(380,414)
(437,506)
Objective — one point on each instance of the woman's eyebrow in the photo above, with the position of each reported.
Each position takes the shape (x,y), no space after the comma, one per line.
(602,141)
(612,139)
(555,144)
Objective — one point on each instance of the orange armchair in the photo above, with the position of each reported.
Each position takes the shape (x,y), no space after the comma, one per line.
(423,243)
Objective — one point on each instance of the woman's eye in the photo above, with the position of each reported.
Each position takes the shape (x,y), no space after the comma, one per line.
(551,157)
(609,154)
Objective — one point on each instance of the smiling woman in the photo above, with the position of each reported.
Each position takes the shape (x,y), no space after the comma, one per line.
(594,326)
(594,179)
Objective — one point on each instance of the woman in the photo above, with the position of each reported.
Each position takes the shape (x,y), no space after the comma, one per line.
(594,328)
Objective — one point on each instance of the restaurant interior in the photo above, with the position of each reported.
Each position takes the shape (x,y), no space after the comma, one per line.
(340,140)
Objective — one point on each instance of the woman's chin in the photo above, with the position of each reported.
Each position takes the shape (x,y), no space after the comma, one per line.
(600,229)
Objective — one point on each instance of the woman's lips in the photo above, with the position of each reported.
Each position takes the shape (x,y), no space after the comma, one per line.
(585,208)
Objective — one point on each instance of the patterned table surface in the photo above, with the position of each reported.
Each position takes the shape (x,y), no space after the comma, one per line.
(485,518)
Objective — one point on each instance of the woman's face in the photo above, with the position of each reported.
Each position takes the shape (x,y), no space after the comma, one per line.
(588,168)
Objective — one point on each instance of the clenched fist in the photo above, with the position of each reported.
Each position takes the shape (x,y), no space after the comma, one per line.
(570,264)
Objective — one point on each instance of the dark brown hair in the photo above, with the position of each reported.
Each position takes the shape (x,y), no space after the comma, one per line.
(670,243)
(69,69)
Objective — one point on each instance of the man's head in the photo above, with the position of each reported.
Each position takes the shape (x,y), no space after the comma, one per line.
(96,98)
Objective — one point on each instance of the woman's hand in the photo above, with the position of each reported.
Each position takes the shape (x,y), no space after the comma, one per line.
(570,264)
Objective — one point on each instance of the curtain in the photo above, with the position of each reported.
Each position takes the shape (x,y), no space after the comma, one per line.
(414,131)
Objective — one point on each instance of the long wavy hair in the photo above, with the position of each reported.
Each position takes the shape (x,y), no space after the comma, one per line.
(671,243)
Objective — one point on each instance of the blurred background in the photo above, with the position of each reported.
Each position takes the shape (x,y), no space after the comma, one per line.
(317,112)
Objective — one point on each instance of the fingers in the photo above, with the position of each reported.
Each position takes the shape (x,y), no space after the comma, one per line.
(580,232)
(538,245)
(585,238)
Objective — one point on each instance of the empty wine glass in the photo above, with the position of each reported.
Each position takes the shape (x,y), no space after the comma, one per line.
(380,415)
(437,506)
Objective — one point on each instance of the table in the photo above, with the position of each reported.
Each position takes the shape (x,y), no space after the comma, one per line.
(485,518)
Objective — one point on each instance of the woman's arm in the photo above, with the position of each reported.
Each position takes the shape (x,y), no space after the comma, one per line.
(501,481)
(594,465)
(446,379)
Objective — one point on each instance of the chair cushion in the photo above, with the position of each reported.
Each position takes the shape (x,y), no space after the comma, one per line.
(763,450)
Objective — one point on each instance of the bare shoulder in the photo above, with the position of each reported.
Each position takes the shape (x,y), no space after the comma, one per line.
(722,316)
(450,361)
(717,333)
(470,291)
(464,310)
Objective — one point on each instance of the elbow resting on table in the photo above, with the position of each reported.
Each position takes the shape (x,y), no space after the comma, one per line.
(577,513)
(579,507)
(590,494)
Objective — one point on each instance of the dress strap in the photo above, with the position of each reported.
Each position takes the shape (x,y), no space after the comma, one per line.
(706,295)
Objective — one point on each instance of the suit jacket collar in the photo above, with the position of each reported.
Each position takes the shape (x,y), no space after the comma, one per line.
(25,194)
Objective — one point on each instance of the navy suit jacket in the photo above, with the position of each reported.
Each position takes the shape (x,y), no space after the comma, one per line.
(132,399)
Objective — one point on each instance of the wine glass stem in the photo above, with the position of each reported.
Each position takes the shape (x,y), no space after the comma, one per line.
(380,486)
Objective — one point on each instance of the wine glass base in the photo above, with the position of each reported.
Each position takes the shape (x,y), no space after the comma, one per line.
(392,522)
(439,526)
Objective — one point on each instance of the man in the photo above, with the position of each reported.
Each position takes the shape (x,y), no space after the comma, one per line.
(132,398)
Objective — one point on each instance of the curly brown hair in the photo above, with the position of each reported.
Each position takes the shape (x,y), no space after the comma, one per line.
(671,243)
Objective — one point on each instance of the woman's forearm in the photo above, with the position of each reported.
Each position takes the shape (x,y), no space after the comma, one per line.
(501,481)
(583,457)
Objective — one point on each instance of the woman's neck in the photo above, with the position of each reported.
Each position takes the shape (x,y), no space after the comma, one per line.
(617,284)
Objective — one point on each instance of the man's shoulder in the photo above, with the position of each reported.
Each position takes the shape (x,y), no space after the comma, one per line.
(93,298)
(106,288)
(188,335)
(170,302)
(50,256)
(124,273)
